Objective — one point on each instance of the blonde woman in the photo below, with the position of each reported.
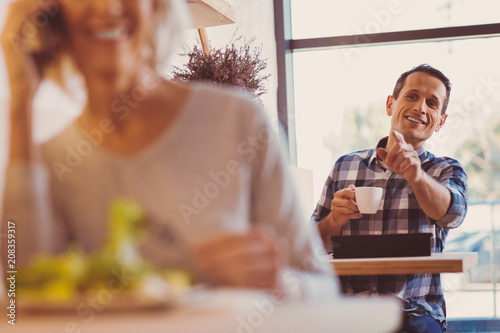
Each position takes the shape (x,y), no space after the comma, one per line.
(202,162)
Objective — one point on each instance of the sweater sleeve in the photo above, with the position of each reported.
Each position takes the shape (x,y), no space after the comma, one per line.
(29,204)
(275,201)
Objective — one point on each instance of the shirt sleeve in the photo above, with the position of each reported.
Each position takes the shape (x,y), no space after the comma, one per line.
(324,205)
(454,178)
(28,203)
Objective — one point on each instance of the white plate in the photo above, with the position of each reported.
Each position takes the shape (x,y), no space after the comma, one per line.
(152,294)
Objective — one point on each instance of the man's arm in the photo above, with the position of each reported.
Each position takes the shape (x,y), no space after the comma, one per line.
(433,198)
(401,158)
(342,210)
(327,228)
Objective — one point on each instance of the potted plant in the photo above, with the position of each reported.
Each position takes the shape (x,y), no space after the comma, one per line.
(239,66)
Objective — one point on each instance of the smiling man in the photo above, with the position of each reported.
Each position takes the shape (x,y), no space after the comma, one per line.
(422,194)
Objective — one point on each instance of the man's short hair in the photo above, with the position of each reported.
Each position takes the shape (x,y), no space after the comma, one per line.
(425,68)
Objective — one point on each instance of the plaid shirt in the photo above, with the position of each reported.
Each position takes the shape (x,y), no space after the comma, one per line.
(399,213)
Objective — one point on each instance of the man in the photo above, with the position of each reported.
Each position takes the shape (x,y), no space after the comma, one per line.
(422,193)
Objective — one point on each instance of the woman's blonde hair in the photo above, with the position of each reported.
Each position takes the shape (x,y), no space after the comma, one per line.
(172,20)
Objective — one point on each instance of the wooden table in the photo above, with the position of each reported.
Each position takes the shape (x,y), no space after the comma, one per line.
(449,262)
(223,311)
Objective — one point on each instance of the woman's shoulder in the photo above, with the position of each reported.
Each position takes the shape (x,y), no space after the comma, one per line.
(220,90)
(57,144)
(224,108)
(209,94)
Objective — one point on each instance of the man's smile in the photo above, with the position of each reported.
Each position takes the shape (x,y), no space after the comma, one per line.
(415,120)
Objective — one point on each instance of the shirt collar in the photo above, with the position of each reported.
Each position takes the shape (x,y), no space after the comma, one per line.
(422,151)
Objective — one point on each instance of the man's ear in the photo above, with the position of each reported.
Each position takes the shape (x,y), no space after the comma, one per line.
(388,105)
(442,120)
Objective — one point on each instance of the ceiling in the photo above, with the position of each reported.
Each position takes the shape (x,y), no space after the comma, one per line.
(208,13)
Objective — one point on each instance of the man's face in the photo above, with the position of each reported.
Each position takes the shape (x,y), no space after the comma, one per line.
(417,111)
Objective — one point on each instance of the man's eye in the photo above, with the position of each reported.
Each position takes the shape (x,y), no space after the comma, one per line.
(412,97)
(432,104)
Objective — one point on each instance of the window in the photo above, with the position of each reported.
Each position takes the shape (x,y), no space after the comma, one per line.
(340,100)
(323,18)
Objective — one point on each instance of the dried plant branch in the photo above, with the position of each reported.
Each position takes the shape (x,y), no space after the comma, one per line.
(237,66)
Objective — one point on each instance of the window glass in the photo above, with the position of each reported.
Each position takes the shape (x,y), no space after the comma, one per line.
(340,100)
(321,18)
(340,104)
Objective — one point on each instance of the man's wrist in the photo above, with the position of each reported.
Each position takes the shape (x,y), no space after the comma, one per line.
(418,180)
(334,225)
(328,227)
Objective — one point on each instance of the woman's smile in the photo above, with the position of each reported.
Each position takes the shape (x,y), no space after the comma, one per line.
(109,38)
(118,33)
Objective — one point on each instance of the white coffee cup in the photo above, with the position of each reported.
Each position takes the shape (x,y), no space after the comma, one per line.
(368,199)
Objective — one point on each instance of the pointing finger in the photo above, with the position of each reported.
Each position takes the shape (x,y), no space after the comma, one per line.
(398,136)
(382,153)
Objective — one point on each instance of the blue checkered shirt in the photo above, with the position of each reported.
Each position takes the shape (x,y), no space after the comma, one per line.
(398,213)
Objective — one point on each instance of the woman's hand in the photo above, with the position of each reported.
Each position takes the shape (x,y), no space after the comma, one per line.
(20,39)
(252,260)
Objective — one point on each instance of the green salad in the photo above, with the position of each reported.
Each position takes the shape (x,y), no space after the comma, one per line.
(116,267)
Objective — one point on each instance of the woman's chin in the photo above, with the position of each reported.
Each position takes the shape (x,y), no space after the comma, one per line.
(106,68)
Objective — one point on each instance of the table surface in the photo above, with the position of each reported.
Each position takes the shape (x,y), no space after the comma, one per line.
(448,262)
(223,311)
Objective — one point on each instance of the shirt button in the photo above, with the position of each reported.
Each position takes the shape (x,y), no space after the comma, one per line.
(374,289)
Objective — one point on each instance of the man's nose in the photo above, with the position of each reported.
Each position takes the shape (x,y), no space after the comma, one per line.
(421,106)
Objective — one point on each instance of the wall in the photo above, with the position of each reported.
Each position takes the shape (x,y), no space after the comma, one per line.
(254,19)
